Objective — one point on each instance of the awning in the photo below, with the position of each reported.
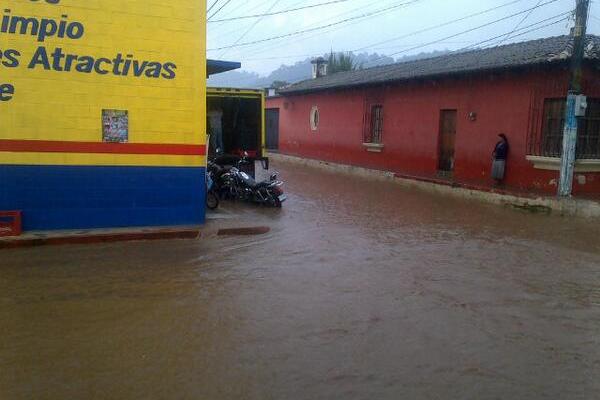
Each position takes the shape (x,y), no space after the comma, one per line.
(218,66)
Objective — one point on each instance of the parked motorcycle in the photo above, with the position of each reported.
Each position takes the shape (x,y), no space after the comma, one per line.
(212,195)
(237,184)
(221,182)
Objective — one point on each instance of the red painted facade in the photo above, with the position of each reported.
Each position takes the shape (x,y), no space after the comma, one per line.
(509,102)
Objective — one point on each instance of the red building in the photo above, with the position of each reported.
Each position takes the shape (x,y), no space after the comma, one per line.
(439,119)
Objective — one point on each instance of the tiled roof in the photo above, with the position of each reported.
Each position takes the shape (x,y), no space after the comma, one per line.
(534,52)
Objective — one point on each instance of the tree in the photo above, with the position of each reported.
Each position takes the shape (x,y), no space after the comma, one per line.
(340,62)
(279,84)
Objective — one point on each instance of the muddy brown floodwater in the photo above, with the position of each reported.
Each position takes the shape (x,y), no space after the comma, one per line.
(362,290)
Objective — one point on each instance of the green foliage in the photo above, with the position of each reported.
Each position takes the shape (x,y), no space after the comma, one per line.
(340,62)
(279,84)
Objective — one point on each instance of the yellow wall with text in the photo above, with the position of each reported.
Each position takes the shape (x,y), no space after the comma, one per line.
(51,105)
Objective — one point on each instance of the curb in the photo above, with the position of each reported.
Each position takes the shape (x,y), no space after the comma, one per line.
(6,243)
(100,238)
(258,230)
(524,201)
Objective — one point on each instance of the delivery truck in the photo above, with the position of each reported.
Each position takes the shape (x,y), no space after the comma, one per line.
(236,126)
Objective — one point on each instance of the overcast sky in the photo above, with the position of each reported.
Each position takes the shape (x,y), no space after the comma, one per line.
(390,29)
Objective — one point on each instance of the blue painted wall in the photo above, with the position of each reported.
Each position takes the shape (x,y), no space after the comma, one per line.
(66,197)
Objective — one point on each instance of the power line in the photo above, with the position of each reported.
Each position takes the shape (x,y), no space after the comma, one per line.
(212,6)
(245,7)
(250,29)
(510,35)
(449,23)
(567,14)
(525,17)
(323,23)
(317,28)
(421,30)
(475,28)
(223,37)
(269,14)
(216,28)
(270,46)
(461,33)
(442,24)
(220,8)
(520,31)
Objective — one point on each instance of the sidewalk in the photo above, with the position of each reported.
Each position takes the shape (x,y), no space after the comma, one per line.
(222,222)
(578,207)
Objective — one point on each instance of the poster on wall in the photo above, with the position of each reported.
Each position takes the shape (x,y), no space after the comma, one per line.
(115,126)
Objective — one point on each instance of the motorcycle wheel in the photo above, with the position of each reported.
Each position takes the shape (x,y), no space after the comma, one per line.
(212,200)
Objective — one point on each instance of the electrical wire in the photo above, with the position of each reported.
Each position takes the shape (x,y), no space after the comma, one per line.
(383,56)
(515,32)
(475,28)
(212,6)
(269,46)
(477,14)
(250,29)
(220,8)
(229,33)
(567,14)
(253,6)
(525,17)
(462,33)
(342,15)
(430,28)
(269,14)
(215,29)
(510,35)
(317,28)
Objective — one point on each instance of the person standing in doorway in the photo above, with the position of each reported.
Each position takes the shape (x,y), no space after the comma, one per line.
(215,119)
(499,157)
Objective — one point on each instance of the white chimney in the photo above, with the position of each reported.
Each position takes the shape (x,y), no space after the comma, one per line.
(319,67)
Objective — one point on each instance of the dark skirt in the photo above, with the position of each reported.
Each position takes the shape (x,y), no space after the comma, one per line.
(498,168)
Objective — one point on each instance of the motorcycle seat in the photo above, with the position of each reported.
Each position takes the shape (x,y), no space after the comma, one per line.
(257,185)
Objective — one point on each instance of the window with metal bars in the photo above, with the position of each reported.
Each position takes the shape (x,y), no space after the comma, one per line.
(375,132)
(549,143)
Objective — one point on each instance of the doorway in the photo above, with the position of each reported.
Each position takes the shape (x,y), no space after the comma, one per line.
(447,142)
(272,118)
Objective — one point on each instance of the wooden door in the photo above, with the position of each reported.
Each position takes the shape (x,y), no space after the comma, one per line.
(447,140)
(272,129)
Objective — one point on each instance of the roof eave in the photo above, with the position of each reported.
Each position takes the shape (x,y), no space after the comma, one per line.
(423,77)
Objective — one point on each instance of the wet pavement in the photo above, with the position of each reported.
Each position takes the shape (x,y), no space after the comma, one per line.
(362,290)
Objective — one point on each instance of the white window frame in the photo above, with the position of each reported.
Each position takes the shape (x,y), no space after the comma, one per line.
(314,118)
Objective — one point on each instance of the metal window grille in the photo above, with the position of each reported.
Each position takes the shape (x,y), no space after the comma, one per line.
(549,142)
(376,131)
(588,138)
(552,127)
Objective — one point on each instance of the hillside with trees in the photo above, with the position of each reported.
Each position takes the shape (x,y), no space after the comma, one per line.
(302,70)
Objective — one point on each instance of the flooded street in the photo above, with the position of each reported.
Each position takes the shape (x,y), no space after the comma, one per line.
(362,290)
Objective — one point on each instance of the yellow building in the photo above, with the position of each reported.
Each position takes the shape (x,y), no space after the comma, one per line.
(102,112)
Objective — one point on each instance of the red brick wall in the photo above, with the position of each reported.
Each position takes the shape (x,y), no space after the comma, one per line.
(511,103)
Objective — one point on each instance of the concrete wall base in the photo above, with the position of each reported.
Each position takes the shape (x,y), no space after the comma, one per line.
(565,207)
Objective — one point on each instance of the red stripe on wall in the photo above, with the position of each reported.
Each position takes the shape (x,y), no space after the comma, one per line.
(45,146)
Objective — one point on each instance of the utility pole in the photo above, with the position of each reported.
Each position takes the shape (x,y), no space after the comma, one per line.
(576,102)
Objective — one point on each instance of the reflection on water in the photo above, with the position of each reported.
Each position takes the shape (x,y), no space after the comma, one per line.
(361,290)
